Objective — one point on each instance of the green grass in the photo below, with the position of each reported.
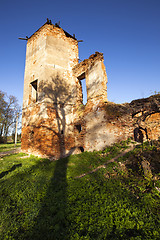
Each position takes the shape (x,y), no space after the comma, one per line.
(8,146)
(41,199)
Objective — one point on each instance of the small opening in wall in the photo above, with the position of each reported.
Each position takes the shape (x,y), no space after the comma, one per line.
(140,134)
(31,134)
(61,105)
(78,127)
(81,149)
(34,90)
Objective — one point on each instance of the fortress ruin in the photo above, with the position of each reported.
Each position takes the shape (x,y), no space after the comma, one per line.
(55,122)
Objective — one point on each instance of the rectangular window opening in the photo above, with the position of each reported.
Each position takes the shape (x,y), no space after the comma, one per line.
(34,94)
(82,82)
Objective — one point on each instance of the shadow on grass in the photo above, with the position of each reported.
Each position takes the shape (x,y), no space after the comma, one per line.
(51,222)
(2,174)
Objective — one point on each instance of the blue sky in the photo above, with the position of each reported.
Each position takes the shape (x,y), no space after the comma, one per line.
(126,31)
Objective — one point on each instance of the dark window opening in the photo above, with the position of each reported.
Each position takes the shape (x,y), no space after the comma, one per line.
(78,127)
(82,82)
(31,134)
(82,149)
(34,94)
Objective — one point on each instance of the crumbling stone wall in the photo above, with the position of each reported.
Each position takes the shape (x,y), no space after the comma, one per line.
(108,123)
(93,70)
(55,122)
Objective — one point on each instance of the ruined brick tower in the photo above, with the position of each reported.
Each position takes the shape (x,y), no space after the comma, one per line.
(55,122)
(52,123)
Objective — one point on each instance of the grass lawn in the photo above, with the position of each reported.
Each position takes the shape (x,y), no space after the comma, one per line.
(40,199)
(8,146)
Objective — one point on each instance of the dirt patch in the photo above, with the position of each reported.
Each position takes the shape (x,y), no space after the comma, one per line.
(13,151)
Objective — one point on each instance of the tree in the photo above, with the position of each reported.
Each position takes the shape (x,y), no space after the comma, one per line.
(9,108)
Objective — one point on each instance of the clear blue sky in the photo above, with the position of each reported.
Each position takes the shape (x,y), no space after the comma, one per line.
(126,31)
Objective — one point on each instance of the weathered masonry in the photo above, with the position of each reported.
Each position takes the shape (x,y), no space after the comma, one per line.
(55,122)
